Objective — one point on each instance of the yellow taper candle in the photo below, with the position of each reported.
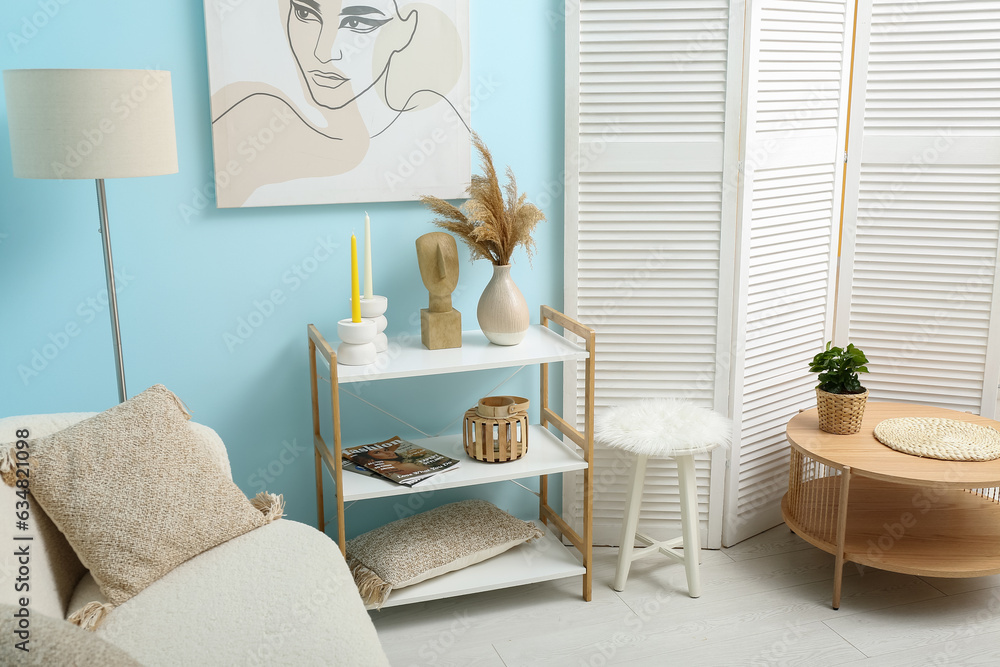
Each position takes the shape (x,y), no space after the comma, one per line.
(368,257)
(355,295)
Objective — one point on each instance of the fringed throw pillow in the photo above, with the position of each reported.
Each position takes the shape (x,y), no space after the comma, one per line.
(136,494)
(417,548)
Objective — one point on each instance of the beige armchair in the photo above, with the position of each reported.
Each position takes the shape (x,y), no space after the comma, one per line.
(278,595)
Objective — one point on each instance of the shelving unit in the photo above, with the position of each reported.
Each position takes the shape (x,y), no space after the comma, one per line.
(566,450)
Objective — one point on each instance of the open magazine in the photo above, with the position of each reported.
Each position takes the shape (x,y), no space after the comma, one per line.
(398,460)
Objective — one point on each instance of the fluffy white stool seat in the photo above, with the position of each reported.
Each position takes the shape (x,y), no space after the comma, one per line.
(662,428)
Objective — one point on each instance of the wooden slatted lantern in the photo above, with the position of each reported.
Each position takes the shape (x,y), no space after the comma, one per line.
(496,430)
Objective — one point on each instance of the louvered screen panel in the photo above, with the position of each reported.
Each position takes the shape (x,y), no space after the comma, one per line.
(933,66)
(789,303)
(649,280)
(649,247)
(924,214)
(923,284)
(644,269)
(654,70)
(795,132)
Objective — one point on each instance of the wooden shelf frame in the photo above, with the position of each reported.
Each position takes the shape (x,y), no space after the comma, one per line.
(322,451)
(584,440)
(572,437)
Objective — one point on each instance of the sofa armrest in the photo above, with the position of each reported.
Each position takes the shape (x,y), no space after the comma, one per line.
(214,445)
(55,569)
(278,595)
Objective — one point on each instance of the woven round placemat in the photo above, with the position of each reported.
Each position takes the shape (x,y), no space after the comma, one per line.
(937,438)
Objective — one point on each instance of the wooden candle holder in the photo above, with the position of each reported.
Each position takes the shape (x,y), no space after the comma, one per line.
(496,431)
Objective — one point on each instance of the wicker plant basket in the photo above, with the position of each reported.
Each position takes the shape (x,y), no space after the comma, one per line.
(840,414)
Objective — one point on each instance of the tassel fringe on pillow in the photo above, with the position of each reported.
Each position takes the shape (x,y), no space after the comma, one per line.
(91,615)
(181,405)
(7,466)
(373,589)
(270,505)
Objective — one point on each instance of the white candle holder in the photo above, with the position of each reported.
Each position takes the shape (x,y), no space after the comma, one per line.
(374,309)
(357,347)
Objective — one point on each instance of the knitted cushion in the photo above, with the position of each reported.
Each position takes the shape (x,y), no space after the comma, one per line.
(55,569)
(662,427)
(136,494)
(417,548)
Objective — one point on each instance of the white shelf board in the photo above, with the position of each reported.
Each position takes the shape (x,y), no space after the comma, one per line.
(543,559)
(546,455)
(540,345)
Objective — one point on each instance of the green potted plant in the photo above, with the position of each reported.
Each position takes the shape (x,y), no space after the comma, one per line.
(840,398)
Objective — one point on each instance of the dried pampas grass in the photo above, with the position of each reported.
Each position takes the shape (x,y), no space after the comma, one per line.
(490,224)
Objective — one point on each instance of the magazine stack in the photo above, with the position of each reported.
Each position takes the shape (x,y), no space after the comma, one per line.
(397,460)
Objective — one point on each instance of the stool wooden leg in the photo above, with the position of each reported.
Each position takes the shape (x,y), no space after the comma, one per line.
(631,522)
(688,483)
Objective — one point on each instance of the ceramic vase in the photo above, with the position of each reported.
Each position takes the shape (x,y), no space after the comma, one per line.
(503,312)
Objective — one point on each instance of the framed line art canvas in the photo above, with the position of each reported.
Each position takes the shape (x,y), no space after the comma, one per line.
(336,101)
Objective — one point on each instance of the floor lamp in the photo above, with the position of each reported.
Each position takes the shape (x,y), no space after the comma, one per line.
(92,123)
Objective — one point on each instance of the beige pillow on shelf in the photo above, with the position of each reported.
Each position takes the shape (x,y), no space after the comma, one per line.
(136,494)
(417,548)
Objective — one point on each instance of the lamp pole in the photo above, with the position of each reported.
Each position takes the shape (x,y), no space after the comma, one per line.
(109,270)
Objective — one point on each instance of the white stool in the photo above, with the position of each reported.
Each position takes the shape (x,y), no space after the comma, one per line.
(662,428)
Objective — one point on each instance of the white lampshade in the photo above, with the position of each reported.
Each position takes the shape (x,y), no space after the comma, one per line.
(90,123)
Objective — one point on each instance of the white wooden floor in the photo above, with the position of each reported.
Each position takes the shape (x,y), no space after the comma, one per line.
(765,601)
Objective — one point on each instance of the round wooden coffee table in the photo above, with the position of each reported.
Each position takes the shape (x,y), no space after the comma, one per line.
(852,496)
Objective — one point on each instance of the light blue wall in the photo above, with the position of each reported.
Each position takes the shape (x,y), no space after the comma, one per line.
(185,283)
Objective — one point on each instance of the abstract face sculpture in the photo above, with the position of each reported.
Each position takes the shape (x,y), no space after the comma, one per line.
(437,256)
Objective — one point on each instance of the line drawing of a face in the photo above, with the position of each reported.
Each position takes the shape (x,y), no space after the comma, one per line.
(333,44)
(356,68)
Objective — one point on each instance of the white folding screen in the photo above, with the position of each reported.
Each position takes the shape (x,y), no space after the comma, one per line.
(651,146)
(705,187)
(922,212)
(796,63)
